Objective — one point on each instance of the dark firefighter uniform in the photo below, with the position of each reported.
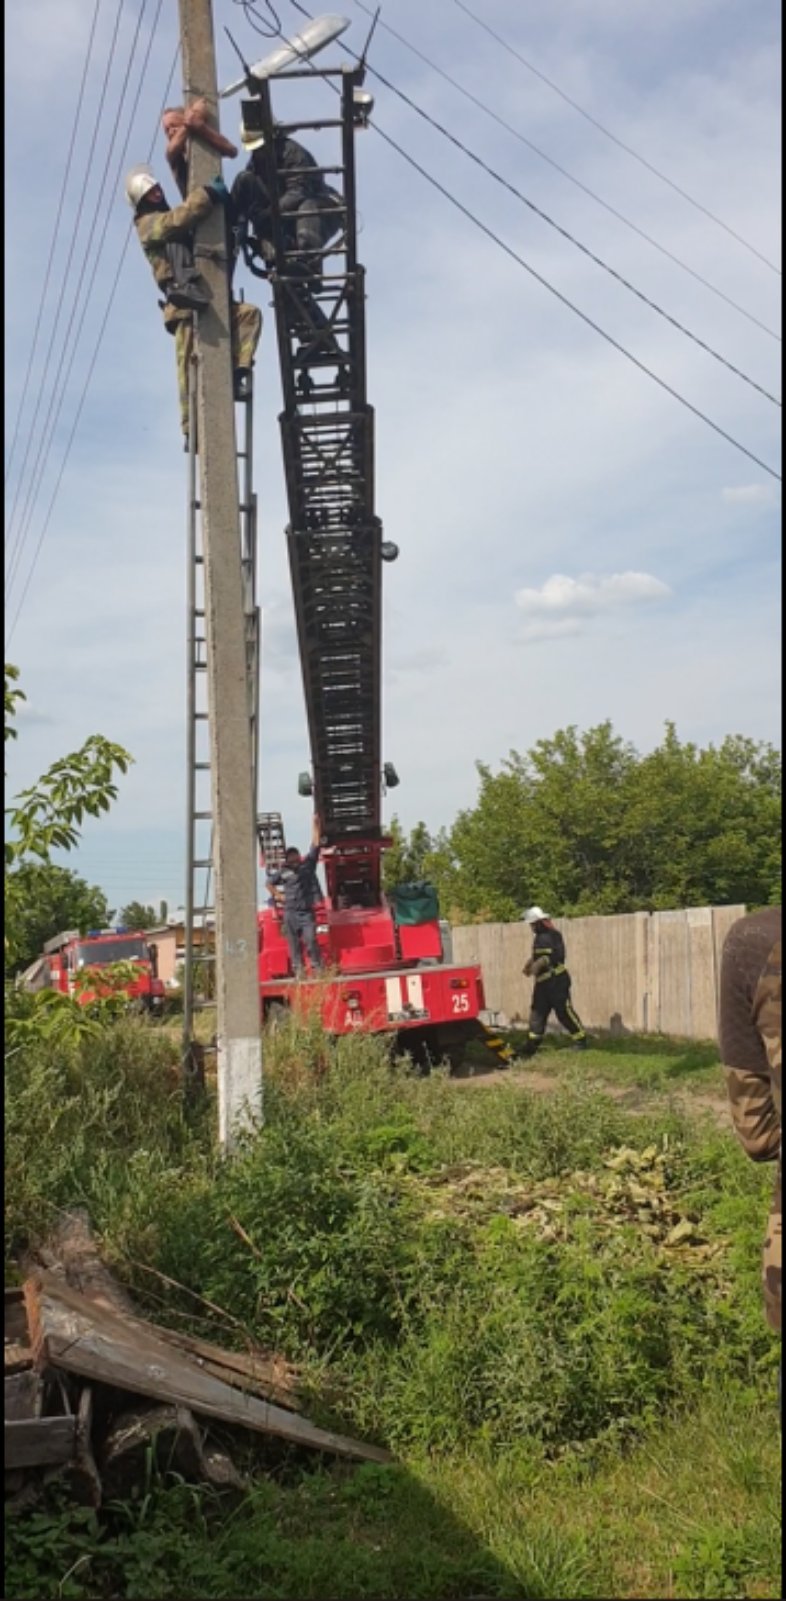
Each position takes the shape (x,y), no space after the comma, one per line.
(551,990)
(751,1048)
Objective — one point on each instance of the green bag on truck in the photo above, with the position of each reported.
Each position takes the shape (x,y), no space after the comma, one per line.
(414,903)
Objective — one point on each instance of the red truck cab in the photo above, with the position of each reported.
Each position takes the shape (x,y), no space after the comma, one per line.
(72,953)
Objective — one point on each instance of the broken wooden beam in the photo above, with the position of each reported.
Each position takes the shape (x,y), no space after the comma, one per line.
(269,1376)
(39,1442)
(70,1332)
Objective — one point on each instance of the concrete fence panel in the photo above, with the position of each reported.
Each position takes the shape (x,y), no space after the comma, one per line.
(636,972)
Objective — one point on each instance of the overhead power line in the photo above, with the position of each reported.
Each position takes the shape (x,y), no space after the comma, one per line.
(509,251)
(55,231)
(571,177)
(66,271)
(95,248)
(614,137)
(91,368)
(565,233)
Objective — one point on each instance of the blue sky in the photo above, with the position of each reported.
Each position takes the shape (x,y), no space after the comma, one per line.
(525,469)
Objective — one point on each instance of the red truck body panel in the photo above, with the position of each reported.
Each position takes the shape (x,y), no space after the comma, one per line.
(379,978)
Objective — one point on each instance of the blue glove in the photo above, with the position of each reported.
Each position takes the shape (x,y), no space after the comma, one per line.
(217,189)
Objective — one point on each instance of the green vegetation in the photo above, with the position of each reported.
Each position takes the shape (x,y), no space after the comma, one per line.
(581,1401)
(48,899)
(547,1305)
(638,1062)
(136,915)
(47,816)
(582,824)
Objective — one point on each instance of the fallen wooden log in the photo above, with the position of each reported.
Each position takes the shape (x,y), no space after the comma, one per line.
(72,1253)
(175,1439)
(70,1332)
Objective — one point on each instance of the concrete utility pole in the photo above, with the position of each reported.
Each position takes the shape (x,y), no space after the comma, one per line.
(234,833)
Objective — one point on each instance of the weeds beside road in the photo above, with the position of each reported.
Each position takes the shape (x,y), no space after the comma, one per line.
(547,1305)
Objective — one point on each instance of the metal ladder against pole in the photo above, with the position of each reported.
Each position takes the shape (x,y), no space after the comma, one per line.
(199,941)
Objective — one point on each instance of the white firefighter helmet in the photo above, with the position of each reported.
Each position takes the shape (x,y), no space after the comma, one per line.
(251,138)
(138,183)
(535,914)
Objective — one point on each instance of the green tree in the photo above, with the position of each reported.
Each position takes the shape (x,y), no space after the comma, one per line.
(49,899)
(135,915)
(584,825)
(49,814)
(406,860)
(703,826)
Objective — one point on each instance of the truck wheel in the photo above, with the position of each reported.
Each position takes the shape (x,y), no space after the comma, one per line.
(421,1048)
(276,1014)
(455,1055)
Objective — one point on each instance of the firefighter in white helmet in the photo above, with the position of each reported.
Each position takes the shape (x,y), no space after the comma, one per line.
(166,236)
(551,989)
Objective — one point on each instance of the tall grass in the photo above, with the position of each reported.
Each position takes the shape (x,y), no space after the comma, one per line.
(510,1369)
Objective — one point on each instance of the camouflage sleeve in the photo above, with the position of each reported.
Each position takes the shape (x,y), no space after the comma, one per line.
(751,1101)
(180,222)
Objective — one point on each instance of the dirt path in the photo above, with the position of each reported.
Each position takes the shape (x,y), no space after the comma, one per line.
(631,1096)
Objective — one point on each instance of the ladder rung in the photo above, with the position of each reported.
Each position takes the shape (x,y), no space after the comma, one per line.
(201,817)
(204,862)
(202,767)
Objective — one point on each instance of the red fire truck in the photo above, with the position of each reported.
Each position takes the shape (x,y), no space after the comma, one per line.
(382,974)
(71,953)
(385,970)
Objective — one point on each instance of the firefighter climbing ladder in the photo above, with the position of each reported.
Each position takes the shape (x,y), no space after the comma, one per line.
(334,537)
(199,911)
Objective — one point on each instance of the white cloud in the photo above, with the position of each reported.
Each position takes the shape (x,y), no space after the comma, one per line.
(554,628)
(588,595)
(750,495)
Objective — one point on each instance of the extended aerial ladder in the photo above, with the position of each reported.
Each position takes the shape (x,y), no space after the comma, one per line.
(334,535)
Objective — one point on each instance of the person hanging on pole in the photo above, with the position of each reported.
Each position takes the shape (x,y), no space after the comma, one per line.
(166,236)
(181,124)
(551,989)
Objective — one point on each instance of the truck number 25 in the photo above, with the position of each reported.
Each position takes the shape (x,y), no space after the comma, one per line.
(460,1001)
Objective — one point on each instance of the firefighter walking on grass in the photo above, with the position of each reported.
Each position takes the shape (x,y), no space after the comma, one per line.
(166,236)
(551,989)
